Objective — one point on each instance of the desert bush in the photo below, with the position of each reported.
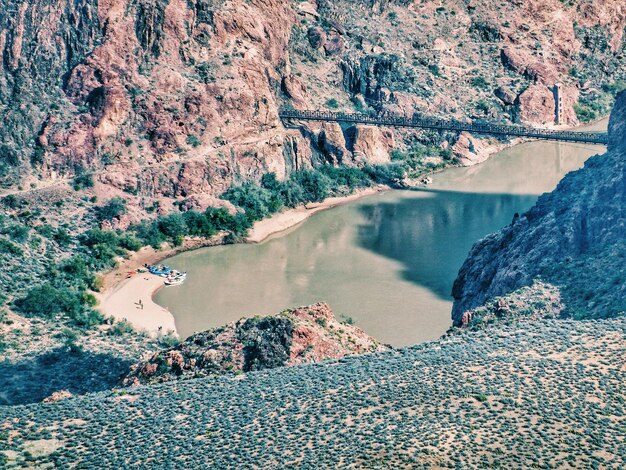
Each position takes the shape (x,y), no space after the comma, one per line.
(10,248)
(47,300)
(343,176)
(315,185)
(257,201)
(18,233)
(390,173)
(82,181)
(172,226)
(148,233)
(198,224)
(120,328)
(114,208)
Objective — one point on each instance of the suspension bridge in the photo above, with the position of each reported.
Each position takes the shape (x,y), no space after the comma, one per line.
(420,122)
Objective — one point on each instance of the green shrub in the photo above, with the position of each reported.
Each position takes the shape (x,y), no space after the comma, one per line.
(257,201)
(193,140)
(18,233)
(83,180)
(10,248)
(47,300)
(87,318)
(343,176)
(291,193)
(390,173)
(74,271)
(45,230)
(198,224)
(172,226)
(332,103)
(120,328)
(315,185)
(62,237)
(130,242)
(219,218)
(168,340)
(148,232)
(112,209)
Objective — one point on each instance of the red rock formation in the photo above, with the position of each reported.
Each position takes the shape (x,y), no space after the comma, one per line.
(372,144)
(303,335)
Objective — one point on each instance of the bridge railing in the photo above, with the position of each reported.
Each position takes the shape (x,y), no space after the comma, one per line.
(447,124)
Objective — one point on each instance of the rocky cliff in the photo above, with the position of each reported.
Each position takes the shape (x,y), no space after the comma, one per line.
(303,335)
(172,100)
(574,237)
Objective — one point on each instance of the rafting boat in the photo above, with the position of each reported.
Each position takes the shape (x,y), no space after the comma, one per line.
(158,270)
(175,279)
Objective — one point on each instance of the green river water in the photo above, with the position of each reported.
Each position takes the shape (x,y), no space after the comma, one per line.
(388,261)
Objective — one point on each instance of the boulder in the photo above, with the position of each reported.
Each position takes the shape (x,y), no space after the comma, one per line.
(294,89)
(536,105)
(317,37)
(505,95)
(334,45)
(298,336)
(520,61)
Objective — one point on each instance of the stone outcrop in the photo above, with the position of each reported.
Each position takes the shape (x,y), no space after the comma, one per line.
(372,145)
(537,105)
(332,142)
(299,336)
(576,232)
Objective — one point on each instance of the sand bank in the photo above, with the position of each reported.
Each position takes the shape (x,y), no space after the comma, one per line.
(131,300)
(123,287)
(264,229)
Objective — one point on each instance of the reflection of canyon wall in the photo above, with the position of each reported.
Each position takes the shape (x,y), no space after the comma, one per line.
(431,236)
(584,218)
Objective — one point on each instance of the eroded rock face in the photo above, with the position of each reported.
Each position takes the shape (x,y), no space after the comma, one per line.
(470,150)
(302,335)
(582,222)
(332,142)
(372,144)
(537,105)
(295,89)
(146,92)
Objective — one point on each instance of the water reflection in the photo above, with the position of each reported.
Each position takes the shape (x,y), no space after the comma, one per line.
(431,234)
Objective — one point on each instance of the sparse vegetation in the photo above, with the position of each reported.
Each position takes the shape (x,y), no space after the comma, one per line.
(452,403)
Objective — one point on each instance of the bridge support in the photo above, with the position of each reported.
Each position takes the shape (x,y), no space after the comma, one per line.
(558,104)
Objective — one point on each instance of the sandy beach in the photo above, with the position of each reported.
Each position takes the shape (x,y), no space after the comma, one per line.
(124,288)
(278,223)
(131,300)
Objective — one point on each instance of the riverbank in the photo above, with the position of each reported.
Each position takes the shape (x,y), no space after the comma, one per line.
(127,295)
(291,218)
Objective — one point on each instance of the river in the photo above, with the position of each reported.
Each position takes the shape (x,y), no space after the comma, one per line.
(387,261)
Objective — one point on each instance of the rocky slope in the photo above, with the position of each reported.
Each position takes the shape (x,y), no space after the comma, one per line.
(545,394)
(172,100)
(299,336)
(574,237)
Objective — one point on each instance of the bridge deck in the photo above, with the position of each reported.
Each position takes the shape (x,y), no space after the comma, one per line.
(598,138)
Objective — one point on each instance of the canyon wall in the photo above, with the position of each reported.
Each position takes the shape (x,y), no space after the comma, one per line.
(574,237)
(174,100)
